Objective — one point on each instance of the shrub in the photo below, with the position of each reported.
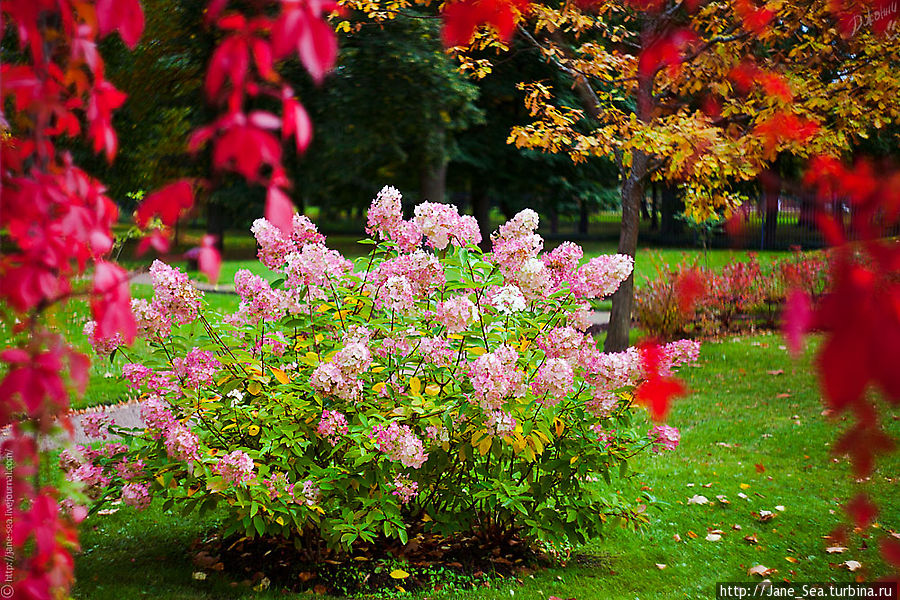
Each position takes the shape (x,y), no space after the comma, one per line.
(660,304)
(344,402)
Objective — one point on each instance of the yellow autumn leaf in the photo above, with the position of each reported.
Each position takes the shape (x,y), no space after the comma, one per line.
(454,336)
(280,375)
(378,387)
(415,386)
(254,388)
(432,389)
(253,430)
(399,574)
(476,350)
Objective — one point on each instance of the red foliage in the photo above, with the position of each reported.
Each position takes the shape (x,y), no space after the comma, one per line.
(463,17)
(657,390)
(666,52)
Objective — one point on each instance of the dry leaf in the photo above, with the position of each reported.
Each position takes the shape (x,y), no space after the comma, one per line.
(199,575)
(721,498)
(751,538)
(745,486)
(776,372)
(676,537)
(779,508)
(698,500)
(761,571)
(791,559)
(713,537)
(782,396)
(691,534)
(707,485)
(743,495)
(736,527)
(660,566)
(852,565)
(835,549)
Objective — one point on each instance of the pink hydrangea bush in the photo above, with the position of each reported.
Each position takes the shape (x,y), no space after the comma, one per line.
(429,378)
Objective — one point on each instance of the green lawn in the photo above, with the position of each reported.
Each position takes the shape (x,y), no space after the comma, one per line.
(751,426)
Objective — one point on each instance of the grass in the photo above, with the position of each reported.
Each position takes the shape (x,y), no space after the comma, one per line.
(752,425)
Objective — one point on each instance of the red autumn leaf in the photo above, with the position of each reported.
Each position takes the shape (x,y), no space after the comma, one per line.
(124,16)
(168,203)
(666,52)
(890,550)
(775,85)
(462,18)
(111,304)
(862,443)
(656,391)
(209,261)
(156,240)
(861,510)
(689,287)
(279,210)
(301,28)
(231,58)
(245,149)
(755,18)
(296,121)
(796,319)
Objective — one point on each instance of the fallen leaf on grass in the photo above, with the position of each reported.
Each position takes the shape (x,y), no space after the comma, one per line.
(722,499)
(736,527)
(713,537)
(782,396)
(660,566)
(760,468)
(776,372)
(743,495)
(761,570)
(698,500)
(764,515)
(399,574)
(852,565)
(676,537)
(780,508)
(707,485)
(791,559)
(692,535)
(199,575)
(835,549)
(745,486)
(751,538)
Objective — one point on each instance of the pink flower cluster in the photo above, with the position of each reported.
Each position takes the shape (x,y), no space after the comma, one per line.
(553,381)
(602,404)
(332,426)
(562,263)
(396,295)
(136,495)
(442,224)
(400,443)
(136,374)
(495,378)
(563,342)
(602,275)
(385,219)
(235,468)
(197,368)
(96,424)
(102,346)
(404,488)
(330,380)
(157,416)
(436,351)
(457,313)
(259,302)
(515,242)
(507,299)
(422,270)
(664,437)
(150,323)
(174,297)
(274,247)
(181,443)
(500,423)
(677,353)
(314,266)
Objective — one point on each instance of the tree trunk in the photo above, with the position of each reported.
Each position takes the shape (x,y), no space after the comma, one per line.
(481,210)
(584,217)
(623,299)
(215,223)
(433,182)
(771,192)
